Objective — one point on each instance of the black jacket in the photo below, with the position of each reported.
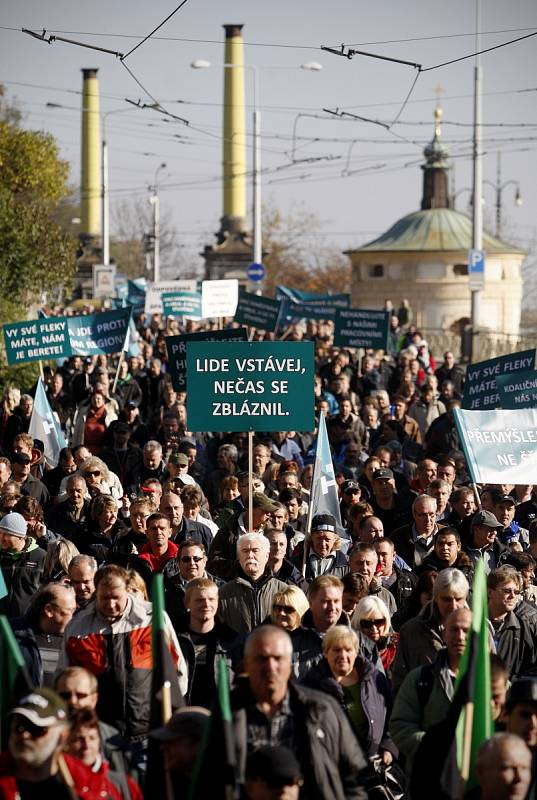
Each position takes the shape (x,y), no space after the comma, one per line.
(127,465)
(339,566)
(226,645)
(516,647)
(22,573)
(375,696)
(174,593)
(60,519)
(291,575)
(403,585)
(327,750)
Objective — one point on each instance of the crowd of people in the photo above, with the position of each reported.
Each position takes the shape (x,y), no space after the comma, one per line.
(342,638)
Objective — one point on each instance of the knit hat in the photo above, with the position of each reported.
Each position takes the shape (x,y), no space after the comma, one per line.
(14,524)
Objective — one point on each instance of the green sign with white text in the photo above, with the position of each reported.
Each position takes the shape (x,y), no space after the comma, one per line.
(258,312)
(250,386)
(361,327)
(518,390)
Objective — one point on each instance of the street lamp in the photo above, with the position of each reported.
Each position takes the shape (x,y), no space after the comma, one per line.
(313,66)
(155,202)
(498,188)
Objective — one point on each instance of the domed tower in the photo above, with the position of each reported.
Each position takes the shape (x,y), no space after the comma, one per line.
(424,257)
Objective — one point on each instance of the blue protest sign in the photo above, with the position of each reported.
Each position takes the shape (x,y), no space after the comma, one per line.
(181,304)
(94,334)
(176,348)
(37,340)
(480,388)
(361,327)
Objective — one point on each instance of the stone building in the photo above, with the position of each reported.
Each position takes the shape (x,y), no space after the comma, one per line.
(424,257)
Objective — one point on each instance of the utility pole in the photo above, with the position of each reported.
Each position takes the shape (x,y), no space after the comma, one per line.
(105,204)
(477,210)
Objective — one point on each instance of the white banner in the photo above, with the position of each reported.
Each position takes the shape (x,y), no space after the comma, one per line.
(500,446)
(154,292)
(219,298)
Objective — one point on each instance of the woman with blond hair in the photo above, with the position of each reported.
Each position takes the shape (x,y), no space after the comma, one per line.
(372,619)
(361,690)
(288,608)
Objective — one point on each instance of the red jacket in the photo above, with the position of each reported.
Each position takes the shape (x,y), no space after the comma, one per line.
(157,563)
(88,785)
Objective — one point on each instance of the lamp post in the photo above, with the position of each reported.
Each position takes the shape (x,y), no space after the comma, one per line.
(498,188)
(256,131)
(477,210)
(155,202)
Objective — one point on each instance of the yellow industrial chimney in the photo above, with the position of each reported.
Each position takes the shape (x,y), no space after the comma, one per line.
(234,155)
(90,181)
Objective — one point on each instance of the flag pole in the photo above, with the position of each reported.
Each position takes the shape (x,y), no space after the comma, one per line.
(166,707)
(250,480)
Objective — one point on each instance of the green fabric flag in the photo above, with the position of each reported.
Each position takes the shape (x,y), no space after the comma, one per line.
(214,772)
(14,678)
(475,722)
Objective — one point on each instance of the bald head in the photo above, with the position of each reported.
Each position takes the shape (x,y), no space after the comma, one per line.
(503,768)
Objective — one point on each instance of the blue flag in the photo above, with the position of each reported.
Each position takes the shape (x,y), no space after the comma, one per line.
(44,425)
(324,489)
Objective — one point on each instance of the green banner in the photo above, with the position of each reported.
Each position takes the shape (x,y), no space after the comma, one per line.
(258,312)
(176,347)
(360,327)
(255,386)
(94,334)
(181,304)
(37,340)
(518,390)
(480,387)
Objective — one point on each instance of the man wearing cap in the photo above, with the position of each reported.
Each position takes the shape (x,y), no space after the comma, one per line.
(484,540)
(123,458)
(22,563)
(503,507)
(180,741)
(390,506)
(416,541)
(20,471)
(35,764)
(323,556)
(246,601)
(351,493)
(222,553)
(272,772)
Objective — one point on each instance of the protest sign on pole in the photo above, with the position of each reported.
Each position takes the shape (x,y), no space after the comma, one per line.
(154,292)
(252,386)
(480,387)
(219,298)
(500,446)
(94,334)
(257,311)
(181,304)
(361,327)
(37,340)
(176,347)
(518,390)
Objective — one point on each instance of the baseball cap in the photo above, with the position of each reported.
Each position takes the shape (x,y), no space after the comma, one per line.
(14,524)
(132,404)
(486,518)
(350,486)
(498,497)
(276,766)
(323,522)
(260,500)
(178,460)
(188,721)
(382,474)
(43,708)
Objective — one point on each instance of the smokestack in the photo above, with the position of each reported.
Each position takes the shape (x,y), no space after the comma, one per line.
(90,180)
(234,155)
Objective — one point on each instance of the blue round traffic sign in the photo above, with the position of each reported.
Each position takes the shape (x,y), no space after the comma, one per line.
(256,272)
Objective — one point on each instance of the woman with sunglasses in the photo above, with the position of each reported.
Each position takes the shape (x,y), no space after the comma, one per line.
(372,618)
(288,608)
(362,691)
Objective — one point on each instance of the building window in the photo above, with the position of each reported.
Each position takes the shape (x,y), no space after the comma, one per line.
(376,271)
(460,269)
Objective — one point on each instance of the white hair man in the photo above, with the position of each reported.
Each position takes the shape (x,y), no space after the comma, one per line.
(246,601)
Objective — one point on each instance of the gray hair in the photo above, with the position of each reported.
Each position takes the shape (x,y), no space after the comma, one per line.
(254,538)
(372,605)
(450,579)
(151,445)
(78,561)
(264,631)
(230,450)
(421,498)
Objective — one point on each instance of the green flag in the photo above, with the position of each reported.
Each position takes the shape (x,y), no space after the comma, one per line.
(471,706)
(214,772)
(14,677)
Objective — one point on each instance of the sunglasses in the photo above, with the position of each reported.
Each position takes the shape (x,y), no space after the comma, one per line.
(78,695)
(372,623)
(285,609)
(35,731)
(188,559)
(94,474)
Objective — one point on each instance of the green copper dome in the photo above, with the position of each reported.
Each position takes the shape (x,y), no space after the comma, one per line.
(434,229)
